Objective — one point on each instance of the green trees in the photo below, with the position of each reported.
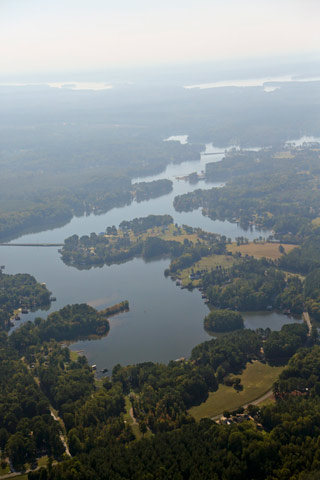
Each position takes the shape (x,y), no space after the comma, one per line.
(70,323)
(20,290)
(282,345)
(253,285)
(223,321)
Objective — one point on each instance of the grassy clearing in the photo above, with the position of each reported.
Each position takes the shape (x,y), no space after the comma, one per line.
(316,222)
(43,461)
(206,263)
(74,355)
(259,250)
(4,471)
(284,154)
(256,379)
(129,420)
(168,232)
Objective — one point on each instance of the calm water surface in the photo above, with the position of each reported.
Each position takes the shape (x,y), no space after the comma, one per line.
(164,322)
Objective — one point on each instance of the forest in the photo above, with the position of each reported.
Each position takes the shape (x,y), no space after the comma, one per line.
(274,189)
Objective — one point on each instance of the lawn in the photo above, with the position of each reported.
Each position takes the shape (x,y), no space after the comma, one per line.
(259,250)
(256,379)
(206,263)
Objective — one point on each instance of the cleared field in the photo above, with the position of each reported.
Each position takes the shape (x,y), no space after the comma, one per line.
(259,250)
(316,222)
(4,471)
(256,379)
(168,232)
(129,420)
(206,263)
(74,355)
(284,154)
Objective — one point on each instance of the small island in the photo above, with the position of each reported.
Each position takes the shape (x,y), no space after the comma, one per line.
(223,321)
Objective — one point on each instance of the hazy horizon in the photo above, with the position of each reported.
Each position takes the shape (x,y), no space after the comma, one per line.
(41,38)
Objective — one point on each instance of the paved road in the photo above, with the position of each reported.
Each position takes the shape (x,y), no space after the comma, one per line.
(261,399)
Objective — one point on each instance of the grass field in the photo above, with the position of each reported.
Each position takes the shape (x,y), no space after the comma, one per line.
(284,154)
(259,250)
(256,379)
(168,232)
(316,222)
(74,355)
(4,471)
(206,263)
(128,419)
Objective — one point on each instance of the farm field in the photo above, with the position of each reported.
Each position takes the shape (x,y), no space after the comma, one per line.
(256,379)
(260,250)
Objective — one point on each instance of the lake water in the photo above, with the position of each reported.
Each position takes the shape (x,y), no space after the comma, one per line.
(164,322)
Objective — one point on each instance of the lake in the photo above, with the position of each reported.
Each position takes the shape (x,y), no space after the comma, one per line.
(164,322)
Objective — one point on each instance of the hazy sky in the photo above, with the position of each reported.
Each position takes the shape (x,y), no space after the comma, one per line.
(55,35)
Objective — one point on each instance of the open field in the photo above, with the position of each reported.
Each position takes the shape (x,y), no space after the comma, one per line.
(259,250)
(4,471)
(205,263)
(168,232)
(284,154)
(316,222)
(256,379)
(129,420)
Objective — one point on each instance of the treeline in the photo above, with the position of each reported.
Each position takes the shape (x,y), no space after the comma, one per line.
(20,290)
(223,321)
(141,224)
(98,197)
(280,346)
(305,258)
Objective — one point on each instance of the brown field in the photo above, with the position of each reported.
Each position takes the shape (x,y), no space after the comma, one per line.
(259,250)
(284,154)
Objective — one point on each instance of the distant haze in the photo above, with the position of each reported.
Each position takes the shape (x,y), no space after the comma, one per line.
(42,36)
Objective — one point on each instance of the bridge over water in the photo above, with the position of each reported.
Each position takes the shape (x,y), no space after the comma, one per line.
(31,244)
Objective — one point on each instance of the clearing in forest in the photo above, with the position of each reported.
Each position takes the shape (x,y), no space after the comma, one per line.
(256,379)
